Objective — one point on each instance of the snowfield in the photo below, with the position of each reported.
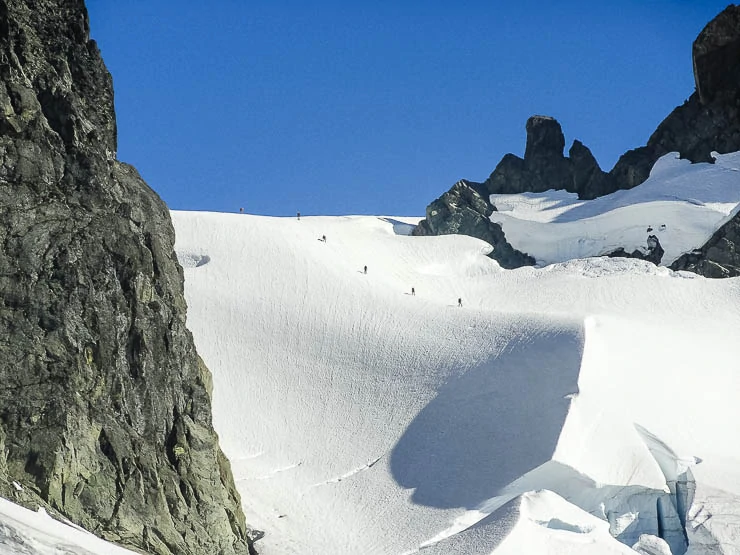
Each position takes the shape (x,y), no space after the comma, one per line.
(585,407)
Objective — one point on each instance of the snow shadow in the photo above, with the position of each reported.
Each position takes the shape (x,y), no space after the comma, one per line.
(492,424)
(399,227)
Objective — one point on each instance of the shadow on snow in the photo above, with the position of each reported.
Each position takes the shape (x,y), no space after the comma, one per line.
(492,424)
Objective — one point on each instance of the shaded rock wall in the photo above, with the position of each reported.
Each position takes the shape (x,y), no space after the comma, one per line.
(652,253)
(544,166)
(715,50)
(719,257)
(104,413)
(463,210)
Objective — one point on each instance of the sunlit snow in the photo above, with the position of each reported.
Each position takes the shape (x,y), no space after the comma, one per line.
(681,203)
(584,407)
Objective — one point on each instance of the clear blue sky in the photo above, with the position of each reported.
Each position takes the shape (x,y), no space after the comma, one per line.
(341,107)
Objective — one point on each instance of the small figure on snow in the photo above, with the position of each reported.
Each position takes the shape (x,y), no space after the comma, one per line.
(649,229)
(323,238)
(365,269)
(241,211)
(413,292)
(459,302)
(298,215)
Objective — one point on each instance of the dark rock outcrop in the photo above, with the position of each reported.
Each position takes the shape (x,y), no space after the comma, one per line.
(544,151)
(544,166)
(105,415)
(715,50)
(463,210)
(719,257)
(585,174)
(653,253)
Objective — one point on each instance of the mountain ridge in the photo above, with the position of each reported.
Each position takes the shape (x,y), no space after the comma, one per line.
(708,121)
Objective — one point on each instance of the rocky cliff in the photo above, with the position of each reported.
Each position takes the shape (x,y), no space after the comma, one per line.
(544,166)
(708,121)
(719,257)
(463,209)
(105,415)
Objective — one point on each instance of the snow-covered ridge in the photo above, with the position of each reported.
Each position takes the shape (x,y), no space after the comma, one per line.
(549,408)
(681,203)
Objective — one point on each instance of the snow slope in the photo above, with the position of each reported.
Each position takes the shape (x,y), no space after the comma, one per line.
(558,409)
(681,203)
(24,532)
(587,406)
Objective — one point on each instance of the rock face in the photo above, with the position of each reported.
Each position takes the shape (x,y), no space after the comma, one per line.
(544,166)
(715,50)
(105,415)
(653,253)
(462,210)
(719,257)
(708,121)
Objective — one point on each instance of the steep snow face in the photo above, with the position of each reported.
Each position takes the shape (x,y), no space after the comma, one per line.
(681,203)
(558,408)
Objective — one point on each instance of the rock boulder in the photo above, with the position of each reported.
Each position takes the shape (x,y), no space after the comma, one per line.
(463,210)
(652,253)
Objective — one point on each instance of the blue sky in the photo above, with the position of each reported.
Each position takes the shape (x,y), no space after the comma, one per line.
(378,107)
